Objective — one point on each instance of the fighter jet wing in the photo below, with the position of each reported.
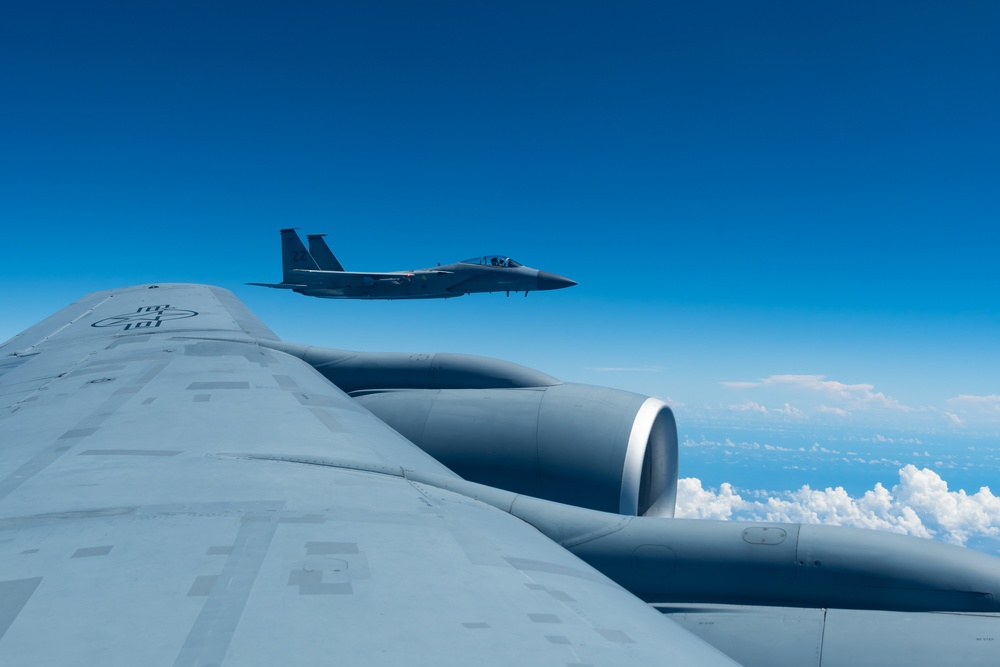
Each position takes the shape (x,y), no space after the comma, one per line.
(161,504)
(338,279)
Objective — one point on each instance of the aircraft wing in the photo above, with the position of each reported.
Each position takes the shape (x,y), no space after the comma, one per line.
(337,279)
(173,493)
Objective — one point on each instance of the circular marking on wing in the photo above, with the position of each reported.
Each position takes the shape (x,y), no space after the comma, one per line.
(146,317)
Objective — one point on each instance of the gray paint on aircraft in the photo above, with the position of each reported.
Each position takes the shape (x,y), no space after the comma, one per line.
(328,420)
(328,548)
(130,452)
(285,382)
(529,565)
(208,640)
(86,427)
(78,433)
(544,618)
(202,585)
(103,368)
(218,385)
(91,552)
(311,583)
(14,594)
(305,518)
(562,596)
(30,468)
(616,636)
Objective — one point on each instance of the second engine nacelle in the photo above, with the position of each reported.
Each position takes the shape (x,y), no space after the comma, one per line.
(583,445)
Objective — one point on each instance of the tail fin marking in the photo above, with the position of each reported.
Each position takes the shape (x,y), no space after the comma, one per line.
(294,256)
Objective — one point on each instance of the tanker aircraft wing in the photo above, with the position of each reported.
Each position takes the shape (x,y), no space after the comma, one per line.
(176,490)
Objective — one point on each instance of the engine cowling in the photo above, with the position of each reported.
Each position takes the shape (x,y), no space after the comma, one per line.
(502,424)
(582,445)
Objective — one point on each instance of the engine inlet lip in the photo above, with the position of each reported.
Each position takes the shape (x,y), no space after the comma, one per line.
(650,429)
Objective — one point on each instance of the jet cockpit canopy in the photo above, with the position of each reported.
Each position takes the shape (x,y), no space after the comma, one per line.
(492,260)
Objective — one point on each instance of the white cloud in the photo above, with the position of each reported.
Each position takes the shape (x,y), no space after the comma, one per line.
(920,504)
(955,419)
(749,406)
(694,502)
(991,402)
(854,393)
(815,395)
(966,408)
(790,411)
(787,411)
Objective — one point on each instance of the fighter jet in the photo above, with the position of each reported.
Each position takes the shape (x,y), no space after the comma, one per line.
(317,272)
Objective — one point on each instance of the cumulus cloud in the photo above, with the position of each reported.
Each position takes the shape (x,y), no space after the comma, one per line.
(787,411)
(749,406)
(955,419)
(791,411)
(856,393)
(807,396)
(966,408)
(920,504)
(801,397)
(991,402)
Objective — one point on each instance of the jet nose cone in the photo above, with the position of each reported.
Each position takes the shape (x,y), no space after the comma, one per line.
(548,280)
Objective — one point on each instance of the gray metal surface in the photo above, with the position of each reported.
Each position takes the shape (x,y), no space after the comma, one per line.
(583,445)
(322,255)
(317,272)
(723,562)
(365,371)
(788,637)
(152,512)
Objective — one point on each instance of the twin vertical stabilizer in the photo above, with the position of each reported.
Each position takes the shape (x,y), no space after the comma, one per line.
(320,252)
(294,256)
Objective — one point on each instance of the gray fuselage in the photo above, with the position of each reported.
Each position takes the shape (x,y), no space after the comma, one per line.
(441,282)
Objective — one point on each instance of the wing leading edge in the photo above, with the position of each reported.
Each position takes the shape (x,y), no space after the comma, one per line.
(151,514)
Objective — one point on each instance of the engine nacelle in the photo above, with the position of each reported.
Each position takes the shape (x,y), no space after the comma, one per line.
(357,371)
(505,425)
(587,446)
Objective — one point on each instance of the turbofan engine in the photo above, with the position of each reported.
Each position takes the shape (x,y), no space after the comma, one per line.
(508,426)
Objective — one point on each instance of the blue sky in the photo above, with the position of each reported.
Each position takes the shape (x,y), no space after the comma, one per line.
(781,215)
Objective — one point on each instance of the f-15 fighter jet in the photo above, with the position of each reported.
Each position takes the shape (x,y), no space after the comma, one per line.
(317,272)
